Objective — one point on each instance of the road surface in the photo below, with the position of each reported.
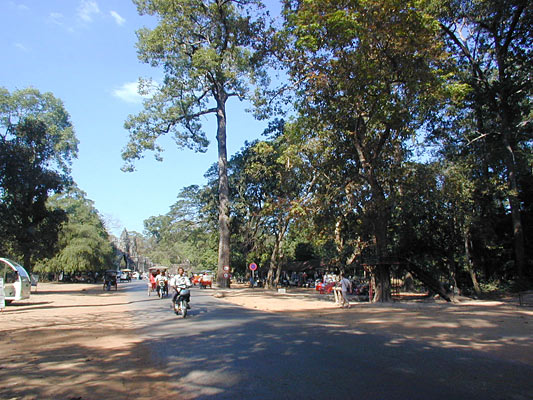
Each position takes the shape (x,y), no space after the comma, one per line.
(222,351)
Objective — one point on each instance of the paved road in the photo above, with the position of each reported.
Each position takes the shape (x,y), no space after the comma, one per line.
(227,352)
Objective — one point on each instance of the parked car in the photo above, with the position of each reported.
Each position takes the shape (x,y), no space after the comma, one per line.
(17,283)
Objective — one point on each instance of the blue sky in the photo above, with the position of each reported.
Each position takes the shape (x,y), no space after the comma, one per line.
(83,51)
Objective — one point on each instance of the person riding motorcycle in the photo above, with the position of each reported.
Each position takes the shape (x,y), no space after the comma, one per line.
(161,277)
(179,282)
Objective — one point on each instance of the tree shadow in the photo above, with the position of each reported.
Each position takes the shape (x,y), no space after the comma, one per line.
(500,330)
(76,371)
(230,352)
(25,304)
(30,306)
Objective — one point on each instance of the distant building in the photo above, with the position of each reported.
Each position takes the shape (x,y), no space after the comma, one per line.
(127,255)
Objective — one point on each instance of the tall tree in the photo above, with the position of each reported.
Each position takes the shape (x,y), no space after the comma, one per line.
(206,50)
(366,72)
(37,144)
(491,42)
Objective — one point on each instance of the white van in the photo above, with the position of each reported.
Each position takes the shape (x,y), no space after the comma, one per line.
(17,284)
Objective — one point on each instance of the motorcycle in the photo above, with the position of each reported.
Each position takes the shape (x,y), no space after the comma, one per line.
(162,289)
(181,305)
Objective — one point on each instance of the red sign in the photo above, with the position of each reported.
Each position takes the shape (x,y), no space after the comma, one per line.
(226,267)
(226,276)
(253,266)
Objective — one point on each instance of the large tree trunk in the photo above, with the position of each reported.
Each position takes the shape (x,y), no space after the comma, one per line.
(272,268)
(514,202)
(381,219)
(274,271)
(27,260)
(382,271)
(453,267)
(223,197)
(469,261)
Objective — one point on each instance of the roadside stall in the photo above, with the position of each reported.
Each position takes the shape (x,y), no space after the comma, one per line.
(327,284)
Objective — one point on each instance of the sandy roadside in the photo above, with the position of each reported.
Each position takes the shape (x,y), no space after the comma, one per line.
(73,341)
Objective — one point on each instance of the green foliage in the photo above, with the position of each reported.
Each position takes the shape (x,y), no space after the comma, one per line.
(304,252)
(83,241)
(183,235)
(486,132)
(368,75)
(270,187)
(206,51)
(340,181)
(37,144)
(55,143)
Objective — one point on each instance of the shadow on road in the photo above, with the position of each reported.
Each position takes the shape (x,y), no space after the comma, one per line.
(227,352)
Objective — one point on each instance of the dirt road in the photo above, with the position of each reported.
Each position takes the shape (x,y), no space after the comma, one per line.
(74,341)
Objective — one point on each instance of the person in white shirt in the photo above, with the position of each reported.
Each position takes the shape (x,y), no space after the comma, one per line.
(161,277)
(179,282)
(345,286)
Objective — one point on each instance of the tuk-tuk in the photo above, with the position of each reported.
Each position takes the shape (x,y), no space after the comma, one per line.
(17,285)
(125,275)
(206,280)
(110,279)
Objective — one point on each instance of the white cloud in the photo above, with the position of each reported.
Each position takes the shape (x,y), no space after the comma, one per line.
(128,92)
(21,47)
(118,19)
(87,9)
(21,7)
(60,20)
(56,18)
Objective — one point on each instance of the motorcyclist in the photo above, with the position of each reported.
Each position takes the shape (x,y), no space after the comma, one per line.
(161,277)
(179,282)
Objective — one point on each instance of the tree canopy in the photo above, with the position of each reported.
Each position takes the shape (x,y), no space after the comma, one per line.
(37,145)
(83,244)
(410,141)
